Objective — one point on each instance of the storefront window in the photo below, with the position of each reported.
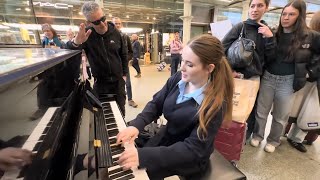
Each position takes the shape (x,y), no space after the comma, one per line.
(232,14)
(17,23)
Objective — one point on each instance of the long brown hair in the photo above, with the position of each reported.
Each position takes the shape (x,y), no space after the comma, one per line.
(220,87)
(299,28)
(315,22)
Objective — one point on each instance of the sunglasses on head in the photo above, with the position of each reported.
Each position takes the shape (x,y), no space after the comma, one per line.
(97,22)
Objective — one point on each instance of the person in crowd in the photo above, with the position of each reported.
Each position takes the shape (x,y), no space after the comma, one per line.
(175,48)
(286,74)
(136,47)
(106,52)
(195,101)
(118,24)
(70,34)
(257,30)
(296,135)
(50,37)
(14,158)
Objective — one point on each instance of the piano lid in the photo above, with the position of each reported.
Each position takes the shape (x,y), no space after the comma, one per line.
(17,63)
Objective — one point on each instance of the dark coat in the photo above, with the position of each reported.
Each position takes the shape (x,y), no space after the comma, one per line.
(302,56)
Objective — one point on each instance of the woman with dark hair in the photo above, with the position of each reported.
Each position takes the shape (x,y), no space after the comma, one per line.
(50,37)
(195,101)
(296,135)
(286,74)
(257,30)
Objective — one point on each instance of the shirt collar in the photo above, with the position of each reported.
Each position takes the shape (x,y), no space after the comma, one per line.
(197,95)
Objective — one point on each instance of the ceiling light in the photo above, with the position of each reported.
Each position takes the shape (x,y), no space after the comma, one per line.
(147,17)
(80,13)
(127,16)
(131,30)
(110,15)
(18,9)
(154,18)
(27,9)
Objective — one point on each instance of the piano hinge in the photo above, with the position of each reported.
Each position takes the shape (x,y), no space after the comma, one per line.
(97,143)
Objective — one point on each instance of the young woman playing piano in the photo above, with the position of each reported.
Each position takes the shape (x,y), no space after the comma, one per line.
(195,102)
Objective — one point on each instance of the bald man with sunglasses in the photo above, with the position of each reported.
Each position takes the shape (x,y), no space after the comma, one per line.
(106,52)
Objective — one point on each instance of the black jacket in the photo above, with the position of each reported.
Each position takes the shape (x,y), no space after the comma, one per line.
(127,41)
(107,54)
(265,47)
(136,49)
(302,56)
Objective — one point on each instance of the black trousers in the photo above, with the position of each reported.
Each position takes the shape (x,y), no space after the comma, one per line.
(175,60)
(117,88)
(135,64)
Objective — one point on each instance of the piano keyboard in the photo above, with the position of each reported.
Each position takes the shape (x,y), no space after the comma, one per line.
(33,142)
(114,124)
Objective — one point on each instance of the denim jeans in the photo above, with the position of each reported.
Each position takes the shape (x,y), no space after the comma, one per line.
(135,64)
(175,60)
(128,86)
(277,91)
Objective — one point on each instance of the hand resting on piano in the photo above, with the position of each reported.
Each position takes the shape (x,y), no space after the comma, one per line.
(14,158)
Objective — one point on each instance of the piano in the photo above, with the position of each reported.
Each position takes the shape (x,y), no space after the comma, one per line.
(66,129)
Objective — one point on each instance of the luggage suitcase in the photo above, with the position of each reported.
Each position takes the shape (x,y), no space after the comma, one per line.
(229,142)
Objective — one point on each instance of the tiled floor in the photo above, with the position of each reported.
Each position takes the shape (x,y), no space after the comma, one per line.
(285,163)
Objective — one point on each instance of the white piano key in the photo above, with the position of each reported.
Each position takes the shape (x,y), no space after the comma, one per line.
(47,116)
(30,145)
(37,132)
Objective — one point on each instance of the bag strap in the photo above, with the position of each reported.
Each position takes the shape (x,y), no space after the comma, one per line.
(241,33)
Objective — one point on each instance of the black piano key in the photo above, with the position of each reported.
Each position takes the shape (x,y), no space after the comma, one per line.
(107,111)
(116,147)
(115,163)
(46,130)
(115,159)
(111,126)
(117,152)
(129,176)
(107,116)
(120,174)
(36,147)
(23,171)
(113,132)
(42,137)
(113,140)
(110,121)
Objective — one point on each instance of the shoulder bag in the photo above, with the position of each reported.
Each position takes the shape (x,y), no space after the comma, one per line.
(240,53)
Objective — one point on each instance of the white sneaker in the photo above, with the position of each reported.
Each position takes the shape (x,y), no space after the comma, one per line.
(254,142)
(269,148)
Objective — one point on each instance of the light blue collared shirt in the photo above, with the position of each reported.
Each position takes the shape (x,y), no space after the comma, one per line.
(197,95)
